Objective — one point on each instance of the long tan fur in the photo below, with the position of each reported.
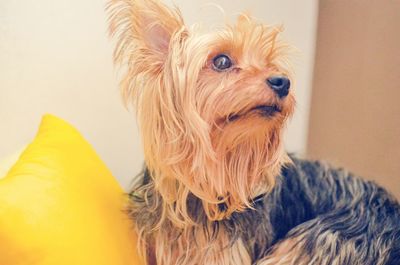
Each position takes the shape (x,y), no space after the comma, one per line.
(183,107)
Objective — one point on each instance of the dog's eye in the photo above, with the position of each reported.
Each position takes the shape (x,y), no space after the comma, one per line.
(222,62)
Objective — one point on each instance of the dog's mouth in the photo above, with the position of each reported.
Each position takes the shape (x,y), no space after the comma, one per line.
(263,110)
(267,110)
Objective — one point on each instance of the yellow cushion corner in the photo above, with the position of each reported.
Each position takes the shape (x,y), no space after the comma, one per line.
(59,205)
(7,162)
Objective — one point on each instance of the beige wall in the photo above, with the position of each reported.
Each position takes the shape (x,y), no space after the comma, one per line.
(55,57)
(355,113)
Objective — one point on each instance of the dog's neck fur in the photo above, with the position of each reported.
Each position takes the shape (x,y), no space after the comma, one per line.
(224,242)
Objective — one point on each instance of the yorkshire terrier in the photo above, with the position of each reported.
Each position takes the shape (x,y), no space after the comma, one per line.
(218,187)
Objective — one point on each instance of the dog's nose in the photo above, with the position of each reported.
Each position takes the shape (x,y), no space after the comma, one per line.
(279,84)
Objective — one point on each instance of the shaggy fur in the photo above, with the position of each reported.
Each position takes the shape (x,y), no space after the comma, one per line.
(218,188)
(315,214)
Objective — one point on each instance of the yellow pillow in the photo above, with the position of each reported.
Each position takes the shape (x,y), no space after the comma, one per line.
(59,205)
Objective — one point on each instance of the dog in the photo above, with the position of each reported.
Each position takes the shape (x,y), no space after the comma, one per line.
(218,187)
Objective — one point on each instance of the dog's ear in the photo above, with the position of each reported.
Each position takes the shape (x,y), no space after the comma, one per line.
(144,31)
(142,27)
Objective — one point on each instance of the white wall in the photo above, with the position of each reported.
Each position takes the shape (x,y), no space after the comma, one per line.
(55,57)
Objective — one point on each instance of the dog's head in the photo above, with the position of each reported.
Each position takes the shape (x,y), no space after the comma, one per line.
(211,105)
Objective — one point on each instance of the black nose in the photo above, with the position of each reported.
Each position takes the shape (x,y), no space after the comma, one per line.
(279,84)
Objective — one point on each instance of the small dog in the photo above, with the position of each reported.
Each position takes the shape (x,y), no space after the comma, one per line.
(218,188)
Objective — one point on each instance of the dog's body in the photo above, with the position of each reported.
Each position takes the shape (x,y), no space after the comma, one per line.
(219,188)
(314,215)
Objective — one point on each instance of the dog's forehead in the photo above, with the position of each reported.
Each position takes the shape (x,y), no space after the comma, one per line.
(247,41)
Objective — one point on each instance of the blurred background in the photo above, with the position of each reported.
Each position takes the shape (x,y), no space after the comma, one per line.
(55,57)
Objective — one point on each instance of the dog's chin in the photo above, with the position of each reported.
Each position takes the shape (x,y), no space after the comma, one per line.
(266,111)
